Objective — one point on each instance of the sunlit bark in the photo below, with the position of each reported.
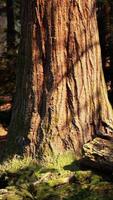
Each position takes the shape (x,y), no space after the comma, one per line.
(61,100)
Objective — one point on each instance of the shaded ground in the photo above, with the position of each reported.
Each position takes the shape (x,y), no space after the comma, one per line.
(5,113)
(26,180)
(7,90)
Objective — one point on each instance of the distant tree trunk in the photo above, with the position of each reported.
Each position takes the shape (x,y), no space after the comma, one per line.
(103,14)
(10,31)
(105,18)
(61,98)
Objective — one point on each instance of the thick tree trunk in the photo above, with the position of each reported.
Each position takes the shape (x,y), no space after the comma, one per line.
(61,99)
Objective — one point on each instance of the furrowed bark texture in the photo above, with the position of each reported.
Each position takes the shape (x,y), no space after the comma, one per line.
(61,99)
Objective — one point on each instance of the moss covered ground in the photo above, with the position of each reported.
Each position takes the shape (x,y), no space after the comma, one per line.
(26,179)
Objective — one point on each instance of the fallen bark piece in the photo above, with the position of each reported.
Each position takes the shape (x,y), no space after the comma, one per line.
(46,176)
(99,153)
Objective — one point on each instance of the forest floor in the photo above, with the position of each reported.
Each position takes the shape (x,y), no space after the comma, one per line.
(25,179)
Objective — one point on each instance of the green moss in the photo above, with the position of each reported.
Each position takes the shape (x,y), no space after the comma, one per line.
(22,174)
(24,193)
(95,179)
(15,164)
(59,161)
(83,176)
(56,181)
(12,197)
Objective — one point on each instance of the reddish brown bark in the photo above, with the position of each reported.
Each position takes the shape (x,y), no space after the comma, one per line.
(61,99)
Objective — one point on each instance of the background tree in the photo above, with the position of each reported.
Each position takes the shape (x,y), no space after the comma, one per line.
(105,18)
(9,40)
(61,98)
(10,28)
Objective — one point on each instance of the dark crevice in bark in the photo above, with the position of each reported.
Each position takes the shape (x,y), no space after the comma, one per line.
(42,105)
(49,116)
(48,75)
(70,100)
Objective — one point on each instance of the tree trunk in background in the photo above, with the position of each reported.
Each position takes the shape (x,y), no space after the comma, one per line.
(105,31)
(10,32)
(105,18)
(61,98)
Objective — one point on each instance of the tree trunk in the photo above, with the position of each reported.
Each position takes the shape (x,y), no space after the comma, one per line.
(11,46)
(61,98)
(10,28)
